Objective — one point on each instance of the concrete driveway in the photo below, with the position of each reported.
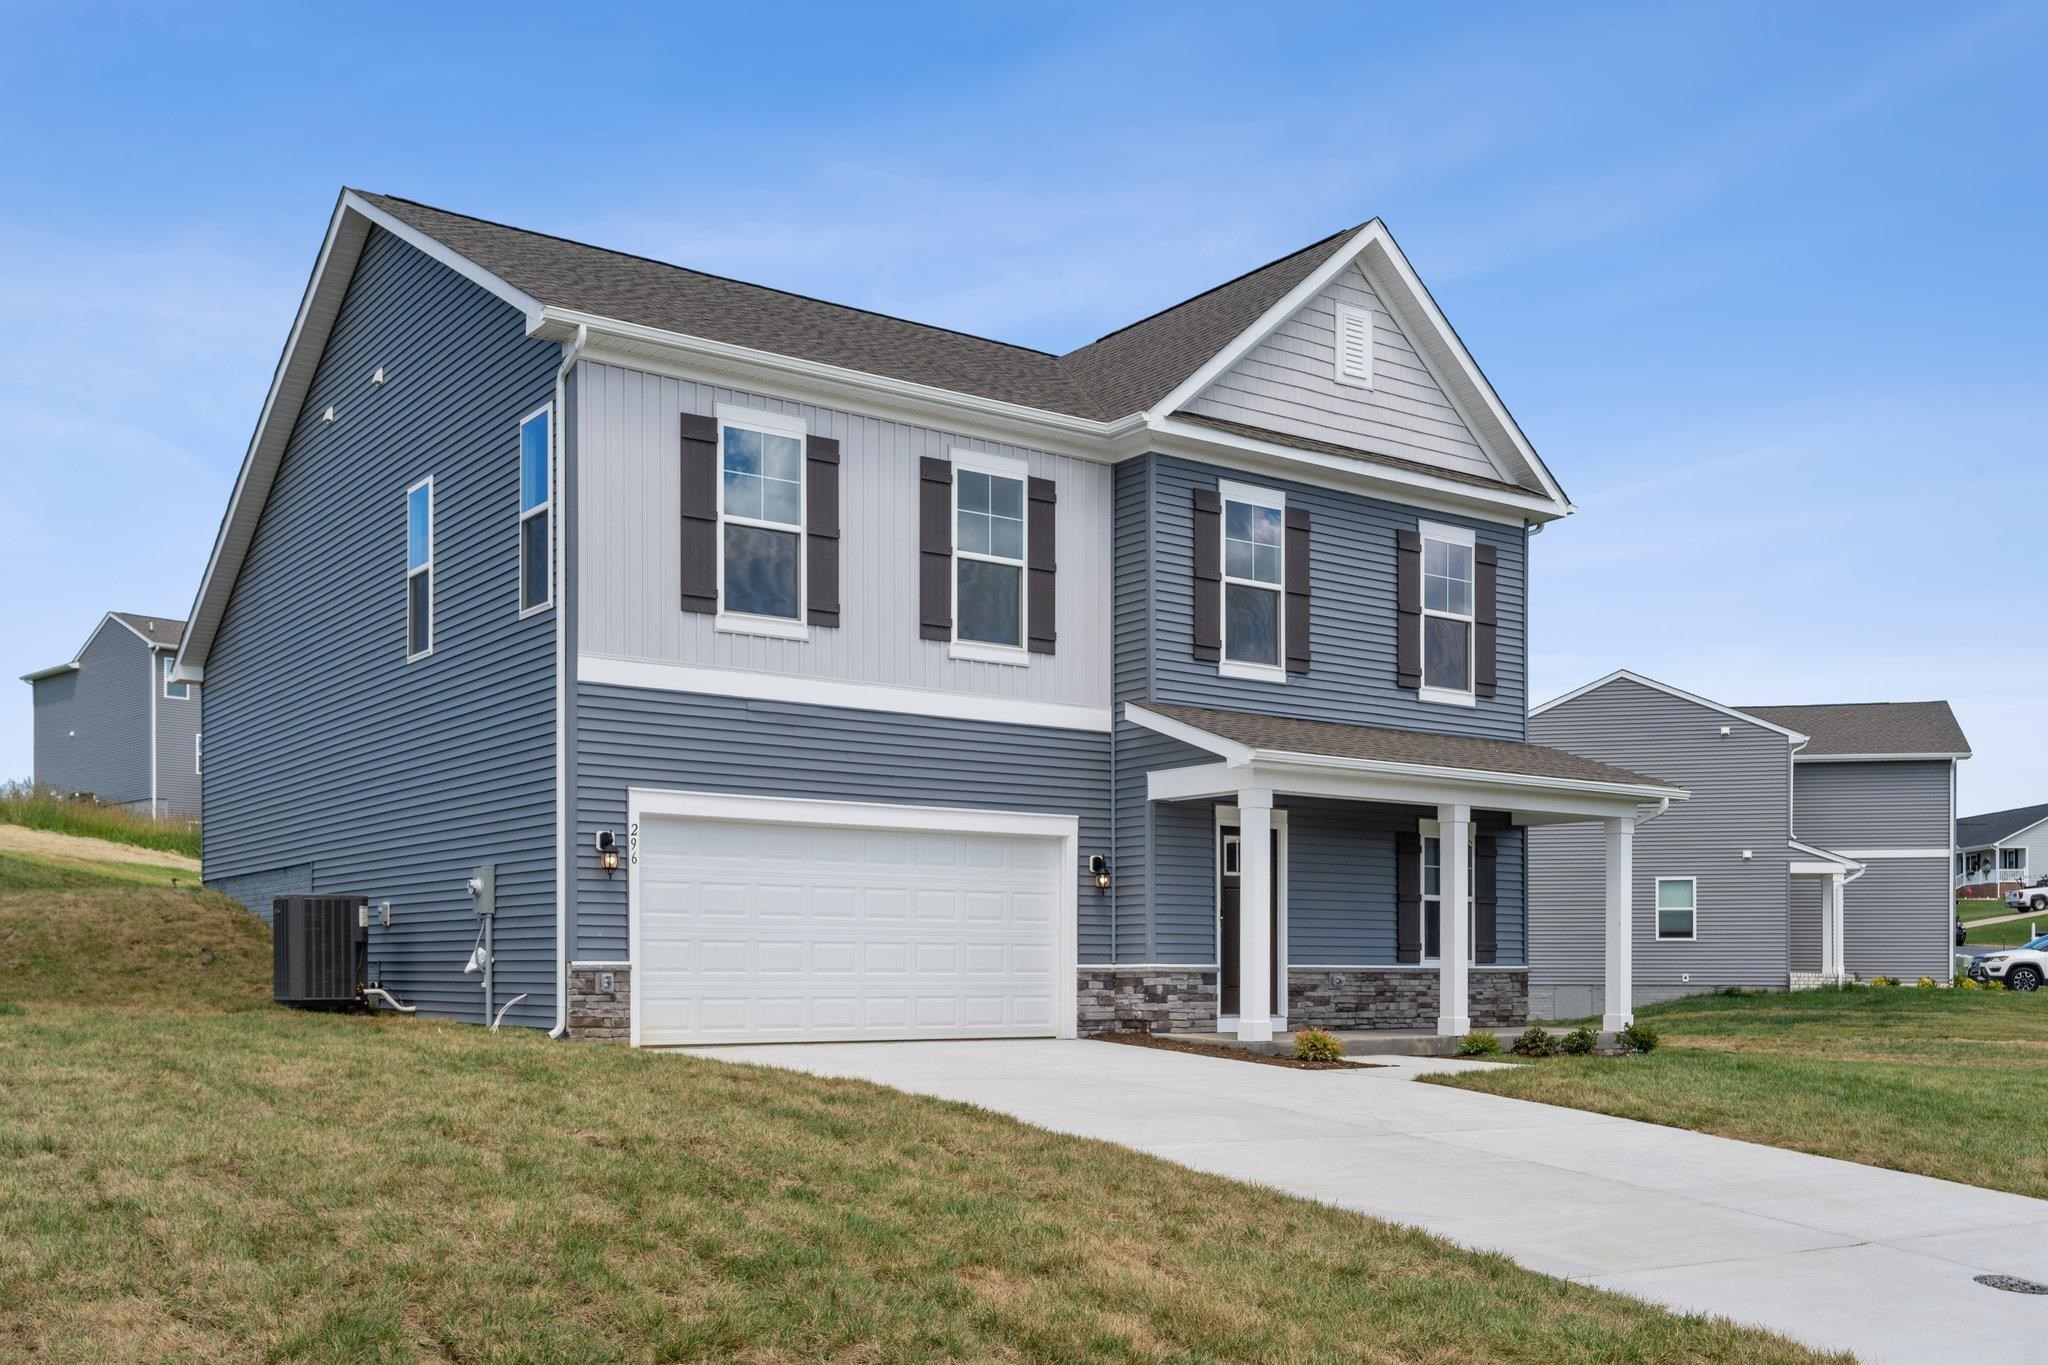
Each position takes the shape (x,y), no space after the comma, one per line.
(1832,1253)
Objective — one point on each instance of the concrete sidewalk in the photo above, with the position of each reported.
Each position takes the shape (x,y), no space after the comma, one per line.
(1829,1252)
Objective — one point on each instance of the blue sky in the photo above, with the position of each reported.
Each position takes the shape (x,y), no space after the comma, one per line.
(1764,283)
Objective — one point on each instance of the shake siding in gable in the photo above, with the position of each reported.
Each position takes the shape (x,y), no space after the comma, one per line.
(331,762)
(92,723)
(1741,791)
(1288,383)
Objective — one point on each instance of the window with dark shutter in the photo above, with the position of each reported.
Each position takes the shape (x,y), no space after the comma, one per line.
(1407,897)
(1485,898)
(821,530)
(1296,630)
(935,549)
(1486,623)
(1408,610)
(1208,584)
(700,513)
(1041,598)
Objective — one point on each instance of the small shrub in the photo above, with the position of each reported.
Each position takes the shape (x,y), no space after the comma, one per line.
(1638,1038)
(1479,1043)
(1579,1042)
(1884,981)
(1925,983)
(1536,1041)
(1967,983)
(1317,1045)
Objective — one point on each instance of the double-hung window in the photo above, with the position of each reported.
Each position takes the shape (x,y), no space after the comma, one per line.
(989,522)
(419,569)
(1677,908)
(536,576)
(1254,577)
(761,523)
(174,691)
(1433,898)
(1447,614)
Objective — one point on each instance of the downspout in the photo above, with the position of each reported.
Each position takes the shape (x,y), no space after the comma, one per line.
(156,692)
(564,821)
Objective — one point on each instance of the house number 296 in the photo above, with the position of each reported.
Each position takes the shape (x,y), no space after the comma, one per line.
(633,843)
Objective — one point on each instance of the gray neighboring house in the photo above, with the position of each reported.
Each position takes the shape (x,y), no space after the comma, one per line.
(2002,850)
(1813,846)
(111,723)
(804,673)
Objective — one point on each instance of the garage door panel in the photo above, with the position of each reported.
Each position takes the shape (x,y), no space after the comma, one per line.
(758,930)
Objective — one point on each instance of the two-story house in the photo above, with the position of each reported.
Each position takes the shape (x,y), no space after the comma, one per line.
(111,723)
(1814,846)
(789,671)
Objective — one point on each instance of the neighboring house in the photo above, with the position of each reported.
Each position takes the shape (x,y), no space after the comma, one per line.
(113,724)
(1812,846)
(2000,851)
(800,673)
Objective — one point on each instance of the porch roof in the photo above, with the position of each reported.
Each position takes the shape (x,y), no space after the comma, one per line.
(1243,737)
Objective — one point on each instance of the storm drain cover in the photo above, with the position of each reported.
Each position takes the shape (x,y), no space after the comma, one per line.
(2012,1284)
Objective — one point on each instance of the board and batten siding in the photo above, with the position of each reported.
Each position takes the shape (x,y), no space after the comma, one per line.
(177,723)
(1352,613)
(1741,785)
(636,737)
(629,514)
(92,722)
(1287,383)
(1874,805)
(325,749)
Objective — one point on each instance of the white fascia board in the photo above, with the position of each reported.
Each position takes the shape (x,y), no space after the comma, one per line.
(454,260)
(1229,750)
(109,619)
(1881,758)
(1627,675)
(41,674)
(1474,776)
(1815,851)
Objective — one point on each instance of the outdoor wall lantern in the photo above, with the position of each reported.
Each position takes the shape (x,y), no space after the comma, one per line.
(607,851)
(1099,866)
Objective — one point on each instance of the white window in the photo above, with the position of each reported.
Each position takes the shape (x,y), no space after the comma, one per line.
(761,523)
(990,524)
(176,691)
(1354,346)
(1433,897)
(1676,898)
(1447,614)
(1230,845)
(195,753)
(536,486)
(1254,577)
(419,569)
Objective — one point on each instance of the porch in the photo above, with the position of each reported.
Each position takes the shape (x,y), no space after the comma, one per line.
(1443,811)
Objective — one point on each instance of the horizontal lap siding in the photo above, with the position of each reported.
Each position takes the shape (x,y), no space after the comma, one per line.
(1874,805)
(177,779)
(1898,919)
(92,723)
(1740,785)
(1352,620)
(325,748)
(1288,383)
(632,737)
(1804,931)
(1152,847)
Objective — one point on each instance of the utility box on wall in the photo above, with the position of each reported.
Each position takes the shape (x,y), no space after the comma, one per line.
(320,947)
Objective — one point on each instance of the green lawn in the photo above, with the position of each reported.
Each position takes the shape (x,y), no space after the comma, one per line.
(1981,909)
(1947,1083)
(188,1172)
(38,808)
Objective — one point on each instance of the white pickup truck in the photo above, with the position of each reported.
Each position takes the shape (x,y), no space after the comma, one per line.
(2033,897)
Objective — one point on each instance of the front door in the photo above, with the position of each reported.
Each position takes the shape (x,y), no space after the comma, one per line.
(1227,860)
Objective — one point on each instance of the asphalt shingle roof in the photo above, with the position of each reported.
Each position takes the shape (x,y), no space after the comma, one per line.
(1335,739)
(1975,831)
(158,630)
(1880,727)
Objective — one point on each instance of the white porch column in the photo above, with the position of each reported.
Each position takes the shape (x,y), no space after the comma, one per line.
(1454,935)
(1834,951)
(1255,916)
(1621,872)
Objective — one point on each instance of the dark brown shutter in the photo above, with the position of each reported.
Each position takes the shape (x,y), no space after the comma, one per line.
(1408,609)
(1485,899)
(1043,562)
(700,513)
(1407,897)
(1208,574)
(821,530)
(1296,619)
(935,549)
(1486,621)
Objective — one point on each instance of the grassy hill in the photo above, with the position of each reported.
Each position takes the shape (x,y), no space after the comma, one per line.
(37,808)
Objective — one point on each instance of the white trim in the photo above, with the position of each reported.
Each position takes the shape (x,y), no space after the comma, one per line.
(609,964)
(1351,318)
(1838,861)
(565,815)
(975,651)
(1014,470)
(1657,933)
(1148,966)
(1238,668)
(1230,815)
(197,735)
(167,675)
(1468,695)
(642,802)
(1273,500)
(1443,696)
(74,664)
(764,423)
(1627,675)
(1882,758)
(1425,830)
(546,508)
(156,700)
(1256,495)
(788,687)
(412,571)
(768,627)
(1869,855)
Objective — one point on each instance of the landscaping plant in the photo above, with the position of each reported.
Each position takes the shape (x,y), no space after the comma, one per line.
(1638,1037)
(1317,1045)
(1580,1042)
(1536,1041)
(1479,1043)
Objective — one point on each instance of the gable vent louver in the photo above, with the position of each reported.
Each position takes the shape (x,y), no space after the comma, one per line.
(1354,347)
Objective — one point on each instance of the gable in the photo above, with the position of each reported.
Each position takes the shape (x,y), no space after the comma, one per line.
(1288,384)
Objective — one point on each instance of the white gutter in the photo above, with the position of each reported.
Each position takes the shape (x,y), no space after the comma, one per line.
(565,839)
(1286,759)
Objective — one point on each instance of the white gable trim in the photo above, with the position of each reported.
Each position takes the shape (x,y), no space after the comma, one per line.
(1625,675)
(72,666)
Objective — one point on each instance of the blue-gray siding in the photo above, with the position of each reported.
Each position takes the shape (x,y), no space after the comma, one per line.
(633,737)
(92,722)
(1874,805)
(1898,917)
(177,723)
(324,747)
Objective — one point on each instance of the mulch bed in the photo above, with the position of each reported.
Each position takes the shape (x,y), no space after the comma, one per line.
(1230,1054)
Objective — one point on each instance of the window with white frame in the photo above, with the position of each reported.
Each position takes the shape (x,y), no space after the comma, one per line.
(419,569)
(1677,908)
(1254,577)
(196,736)
(175,691)
(536,573)
(989,524)
(1433,898)
(1447,613)
(2012,860)
(761,518)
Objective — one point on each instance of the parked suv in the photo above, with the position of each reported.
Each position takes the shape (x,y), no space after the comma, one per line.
(2034,897)
(2021,969)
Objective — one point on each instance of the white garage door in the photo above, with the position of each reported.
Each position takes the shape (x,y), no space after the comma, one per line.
(764,930)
